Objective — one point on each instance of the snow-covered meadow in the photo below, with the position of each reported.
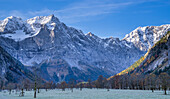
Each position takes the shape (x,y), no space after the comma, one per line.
(88,94)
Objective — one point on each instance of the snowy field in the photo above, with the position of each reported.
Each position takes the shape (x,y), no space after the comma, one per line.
(88,94)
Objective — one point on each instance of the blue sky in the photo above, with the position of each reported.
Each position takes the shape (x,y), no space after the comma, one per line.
(104,18)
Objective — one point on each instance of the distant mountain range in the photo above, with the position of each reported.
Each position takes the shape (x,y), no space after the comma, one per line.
(60,52)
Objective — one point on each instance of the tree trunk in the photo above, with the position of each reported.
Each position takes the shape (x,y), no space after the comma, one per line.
(22,93)
(108,89)
(9,91)
(35,94)
(35,89)
(165,91)
(63,89)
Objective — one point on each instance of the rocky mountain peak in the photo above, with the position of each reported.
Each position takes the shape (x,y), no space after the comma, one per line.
(90,34)
(145,37)
(43,20)
(10,24)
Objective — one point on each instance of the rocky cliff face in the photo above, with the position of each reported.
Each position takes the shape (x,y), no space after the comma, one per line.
(157,59)
(11,70)
(63,52)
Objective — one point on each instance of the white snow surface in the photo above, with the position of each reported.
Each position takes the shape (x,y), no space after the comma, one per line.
(88,94)
(18,36)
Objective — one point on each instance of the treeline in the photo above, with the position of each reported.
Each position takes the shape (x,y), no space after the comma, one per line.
(127,81)
(141,82)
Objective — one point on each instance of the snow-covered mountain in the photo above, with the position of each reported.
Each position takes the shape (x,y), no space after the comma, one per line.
(145,37)
(64,52)
(17,29)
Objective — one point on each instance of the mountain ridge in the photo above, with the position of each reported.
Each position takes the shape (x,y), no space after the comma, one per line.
(86,54)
